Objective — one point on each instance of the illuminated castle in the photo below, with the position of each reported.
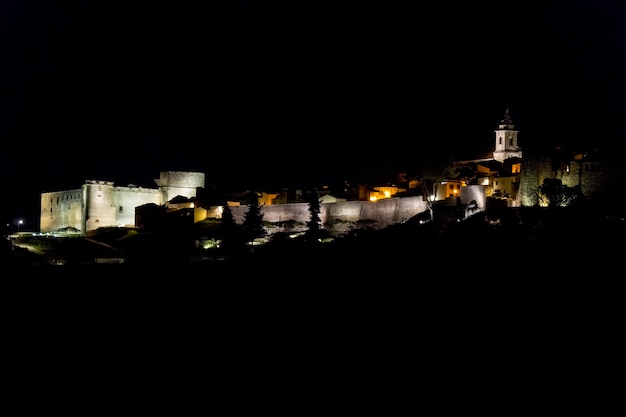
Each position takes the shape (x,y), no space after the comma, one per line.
(502,175)
(103,204)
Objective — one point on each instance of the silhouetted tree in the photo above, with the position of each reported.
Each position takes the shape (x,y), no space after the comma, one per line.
(437,165)
(229,230)
(314,222)
(555,194)
(228,220)
(252,226)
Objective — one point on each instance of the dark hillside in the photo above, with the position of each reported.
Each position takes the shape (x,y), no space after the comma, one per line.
(533,241)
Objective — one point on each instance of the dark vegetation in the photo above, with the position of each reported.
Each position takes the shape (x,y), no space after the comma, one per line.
(504,275)
(536,241)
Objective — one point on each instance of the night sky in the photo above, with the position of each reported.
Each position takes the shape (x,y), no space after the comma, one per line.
(270,94)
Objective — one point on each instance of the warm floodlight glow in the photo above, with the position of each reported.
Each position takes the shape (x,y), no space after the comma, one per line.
(373,198)
(210,244)
(387,194)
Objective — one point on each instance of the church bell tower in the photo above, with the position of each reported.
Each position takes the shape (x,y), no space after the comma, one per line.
(506,140)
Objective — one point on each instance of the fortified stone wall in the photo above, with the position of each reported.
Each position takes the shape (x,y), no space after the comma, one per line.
(595,178)
(99,208)
(569,178)
(601,178)
(109,206)
(101,204)
(382,212)
(97,204)
(530,174)
(125,199)
(61,209)
(174,183)
(535,170)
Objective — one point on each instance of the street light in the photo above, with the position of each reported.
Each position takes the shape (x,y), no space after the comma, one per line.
(19,223)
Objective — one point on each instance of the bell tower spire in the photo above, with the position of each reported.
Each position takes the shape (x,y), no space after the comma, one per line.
(506,140)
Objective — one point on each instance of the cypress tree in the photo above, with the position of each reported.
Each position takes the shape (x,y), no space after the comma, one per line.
(314,223)
(229,230)
(253,219)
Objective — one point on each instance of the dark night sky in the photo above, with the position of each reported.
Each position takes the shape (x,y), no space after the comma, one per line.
(263,94)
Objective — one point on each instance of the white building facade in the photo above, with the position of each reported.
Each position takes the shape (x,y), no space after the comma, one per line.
(103,204)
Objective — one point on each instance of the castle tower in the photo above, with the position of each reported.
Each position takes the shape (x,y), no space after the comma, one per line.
(506,140)
(98,210)
(175,183)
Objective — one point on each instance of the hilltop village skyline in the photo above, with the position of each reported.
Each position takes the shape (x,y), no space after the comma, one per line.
(427,156)
(503,173)
(264,94)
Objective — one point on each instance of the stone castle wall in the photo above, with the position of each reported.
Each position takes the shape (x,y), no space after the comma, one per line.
(382,213)
(102,204)
(531,171)
(535,170)
(601,178)
(99,209)
(595,178)
(109,206)
(175,183)
(61,209)
(125,199)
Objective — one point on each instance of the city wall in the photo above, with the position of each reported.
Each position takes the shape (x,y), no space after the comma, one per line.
(381,213)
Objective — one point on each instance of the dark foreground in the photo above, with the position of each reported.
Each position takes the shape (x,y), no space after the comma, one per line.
(476,316)
(524,244)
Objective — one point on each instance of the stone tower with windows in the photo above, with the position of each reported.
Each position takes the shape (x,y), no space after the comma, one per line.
(506,140)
